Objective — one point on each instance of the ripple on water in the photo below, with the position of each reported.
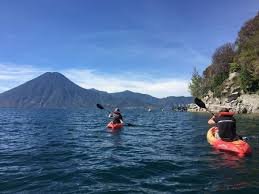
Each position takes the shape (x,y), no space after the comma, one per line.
(70,151)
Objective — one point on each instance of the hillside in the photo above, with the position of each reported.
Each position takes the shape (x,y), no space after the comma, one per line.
(232,80)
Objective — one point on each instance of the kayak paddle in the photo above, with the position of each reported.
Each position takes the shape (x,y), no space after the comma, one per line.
(101,107)
(202,105)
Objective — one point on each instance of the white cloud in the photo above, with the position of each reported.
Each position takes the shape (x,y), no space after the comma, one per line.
(18,73)
(13,75)
(136,83)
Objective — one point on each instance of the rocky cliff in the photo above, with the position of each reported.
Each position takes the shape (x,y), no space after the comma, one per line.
(232,97)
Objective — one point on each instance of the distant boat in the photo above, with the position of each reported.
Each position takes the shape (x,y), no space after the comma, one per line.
(149,110)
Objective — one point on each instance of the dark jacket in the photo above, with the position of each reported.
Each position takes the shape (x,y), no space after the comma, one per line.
(116,117)
(227,126)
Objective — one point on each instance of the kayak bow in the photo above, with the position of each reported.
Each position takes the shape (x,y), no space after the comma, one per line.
(114,126)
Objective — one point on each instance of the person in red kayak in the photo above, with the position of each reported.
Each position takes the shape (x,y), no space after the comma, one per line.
(116,116)
(226,125)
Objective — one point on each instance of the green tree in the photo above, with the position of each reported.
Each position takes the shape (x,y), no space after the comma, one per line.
(248,54)
(216,84)
(245,79)
(248,36)
(234,67)
(195,85)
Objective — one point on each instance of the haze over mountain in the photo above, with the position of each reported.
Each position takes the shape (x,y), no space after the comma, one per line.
(54,90)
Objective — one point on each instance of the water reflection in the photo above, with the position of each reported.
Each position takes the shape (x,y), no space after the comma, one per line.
(116,138)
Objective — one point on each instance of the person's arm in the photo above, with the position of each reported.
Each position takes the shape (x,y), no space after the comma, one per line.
(212,121)
(121,119)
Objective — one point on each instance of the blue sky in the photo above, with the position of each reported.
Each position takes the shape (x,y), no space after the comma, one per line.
(148,46)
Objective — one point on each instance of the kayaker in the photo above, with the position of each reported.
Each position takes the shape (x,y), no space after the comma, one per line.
(116,116)
(226,125)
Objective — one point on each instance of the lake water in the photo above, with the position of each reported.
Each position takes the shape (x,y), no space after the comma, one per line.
(71,151)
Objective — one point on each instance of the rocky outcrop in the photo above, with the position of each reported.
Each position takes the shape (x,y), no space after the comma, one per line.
(232,97)
(248,103)
(194,108)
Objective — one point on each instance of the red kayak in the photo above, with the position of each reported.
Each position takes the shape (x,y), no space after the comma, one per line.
(115,126)
(239,147)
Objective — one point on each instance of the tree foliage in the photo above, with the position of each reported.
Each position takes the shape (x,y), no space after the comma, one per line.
(248,55)
(242,57)
(222,58)
(195,86)
(234,67)
(245,79)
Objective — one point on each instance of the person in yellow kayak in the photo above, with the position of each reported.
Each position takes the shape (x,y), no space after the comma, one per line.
(116,116)
(226,124)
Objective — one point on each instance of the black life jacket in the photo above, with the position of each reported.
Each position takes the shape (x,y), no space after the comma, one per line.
(117,117)
(226,124)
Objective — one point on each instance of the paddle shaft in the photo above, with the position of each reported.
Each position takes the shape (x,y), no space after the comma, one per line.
(209,111)
(201,104)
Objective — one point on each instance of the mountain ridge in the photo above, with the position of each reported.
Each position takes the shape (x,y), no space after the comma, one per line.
(54,90)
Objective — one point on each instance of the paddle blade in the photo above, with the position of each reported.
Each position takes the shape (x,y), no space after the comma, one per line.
(99,106)
(199,103)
